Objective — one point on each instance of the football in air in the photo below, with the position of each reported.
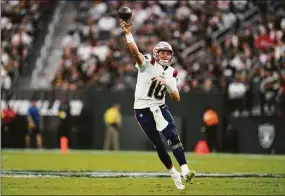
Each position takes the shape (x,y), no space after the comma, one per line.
(125,13)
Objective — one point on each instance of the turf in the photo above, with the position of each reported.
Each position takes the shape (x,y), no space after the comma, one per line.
(138,161)
(127,186)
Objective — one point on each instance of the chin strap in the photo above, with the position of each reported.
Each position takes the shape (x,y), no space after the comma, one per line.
(164,62)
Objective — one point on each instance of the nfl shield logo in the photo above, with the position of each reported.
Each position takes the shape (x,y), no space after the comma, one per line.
(266,135)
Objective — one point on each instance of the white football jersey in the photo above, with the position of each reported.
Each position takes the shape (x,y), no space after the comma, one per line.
(148,93)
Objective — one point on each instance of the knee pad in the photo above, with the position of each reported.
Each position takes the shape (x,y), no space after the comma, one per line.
(175,142)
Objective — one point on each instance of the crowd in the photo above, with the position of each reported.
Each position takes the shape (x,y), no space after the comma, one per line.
(92,48)
(20,26)
(248,66)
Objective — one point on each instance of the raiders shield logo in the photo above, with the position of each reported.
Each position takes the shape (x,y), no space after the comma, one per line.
(266,135)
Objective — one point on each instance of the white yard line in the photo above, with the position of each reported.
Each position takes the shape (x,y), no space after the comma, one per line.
(122,174)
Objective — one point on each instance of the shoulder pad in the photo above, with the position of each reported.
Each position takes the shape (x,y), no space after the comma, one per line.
(175,73)
(147,56)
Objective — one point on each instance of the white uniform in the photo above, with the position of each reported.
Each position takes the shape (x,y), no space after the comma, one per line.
(148,93)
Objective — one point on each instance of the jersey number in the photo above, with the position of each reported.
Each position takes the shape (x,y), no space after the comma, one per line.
(156,90)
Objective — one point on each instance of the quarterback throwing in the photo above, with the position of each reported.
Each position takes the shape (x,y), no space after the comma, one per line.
(155,78)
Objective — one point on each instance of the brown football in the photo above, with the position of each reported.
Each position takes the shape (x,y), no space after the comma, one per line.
(125,13)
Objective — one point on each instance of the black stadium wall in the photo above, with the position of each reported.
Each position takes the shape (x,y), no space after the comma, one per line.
(254,134)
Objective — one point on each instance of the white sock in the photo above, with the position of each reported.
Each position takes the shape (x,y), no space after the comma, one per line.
(172,170)
(184,169)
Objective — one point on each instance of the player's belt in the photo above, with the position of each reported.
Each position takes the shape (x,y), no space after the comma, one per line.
(148,109)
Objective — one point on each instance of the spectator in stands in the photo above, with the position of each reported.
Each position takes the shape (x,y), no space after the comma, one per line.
(239,6)
(195,86)
(263,40)
(208,86)
(269,87)
(236,94)
(71,40)
(10,65)
(6,84)
(73,79)
(58,80)
(106,24)
(281,95)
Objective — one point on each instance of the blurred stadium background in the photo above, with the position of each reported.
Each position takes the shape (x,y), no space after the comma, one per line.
(229,55)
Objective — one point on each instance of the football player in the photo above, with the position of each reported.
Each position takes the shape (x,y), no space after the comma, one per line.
(155,78)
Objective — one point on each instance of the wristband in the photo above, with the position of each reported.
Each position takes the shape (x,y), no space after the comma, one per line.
(130,38)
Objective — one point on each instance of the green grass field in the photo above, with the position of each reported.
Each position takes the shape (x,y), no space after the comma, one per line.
(139,162)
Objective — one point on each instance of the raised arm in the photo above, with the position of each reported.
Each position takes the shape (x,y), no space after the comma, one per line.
(127,28)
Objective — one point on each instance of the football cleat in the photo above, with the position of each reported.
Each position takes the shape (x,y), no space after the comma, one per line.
(178,181)
(189,176)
